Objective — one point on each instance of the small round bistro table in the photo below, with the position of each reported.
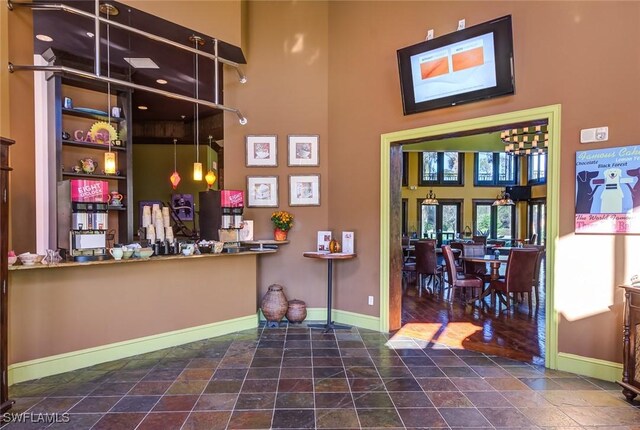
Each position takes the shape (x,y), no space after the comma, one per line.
(329,257)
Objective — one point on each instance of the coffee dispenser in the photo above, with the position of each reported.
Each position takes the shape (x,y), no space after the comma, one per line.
(83,219)
(220,209)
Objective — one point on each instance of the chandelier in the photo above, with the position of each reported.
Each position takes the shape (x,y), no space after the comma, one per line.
(526,140)
(430,199)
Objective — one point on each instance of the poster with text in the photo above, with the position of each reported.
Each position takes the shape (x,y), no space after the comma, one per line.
(608,190)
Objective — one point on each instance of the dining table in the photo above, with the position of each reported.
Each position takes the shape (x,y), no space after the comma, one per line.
(494,261)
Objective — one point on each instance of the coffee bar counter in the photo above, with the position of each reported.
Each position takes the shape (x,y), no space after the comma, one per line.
(81,314)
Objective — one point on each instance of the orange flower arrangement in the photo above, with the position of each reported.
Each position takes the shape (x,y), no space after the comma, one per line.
(282,220)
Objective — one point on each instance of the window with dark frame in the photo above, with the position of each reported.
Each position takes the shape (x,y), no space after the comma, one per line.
(495,169)
(441,168)
(495,222)
(537,171)
(405,169)
(537,220)
(442,222)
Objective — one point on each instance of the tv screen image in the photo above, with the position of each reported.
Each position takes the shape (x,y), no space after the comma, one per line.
(459,67)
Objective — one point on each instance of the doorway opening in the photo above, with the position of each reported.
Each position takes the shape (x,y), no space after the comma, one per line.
(391,257)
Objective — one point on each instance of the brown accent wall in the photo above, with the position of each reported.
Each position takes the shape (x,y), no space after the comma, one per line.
(58,310)
(572,53)
(286,93)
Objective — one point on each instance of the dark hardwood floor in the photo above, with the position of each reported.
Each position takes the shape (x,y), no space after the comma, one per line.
(518,334)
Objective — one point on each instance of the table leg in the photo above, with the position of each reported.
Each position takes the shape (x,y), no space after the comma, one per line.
(329,325)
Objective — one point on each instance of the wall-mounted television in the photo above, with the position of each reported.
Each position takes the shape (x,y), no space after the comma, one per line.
(471,64)
(519,193)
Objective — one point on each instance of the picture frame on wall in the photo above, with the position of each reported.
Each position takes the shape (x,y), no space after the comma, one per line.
(303,150)
(261,151)
(262,191)
(304,190)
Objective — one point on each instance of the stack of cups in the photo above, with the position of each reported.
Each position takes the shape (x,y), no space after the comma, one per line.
(151,233)
(146,216)
(168,234)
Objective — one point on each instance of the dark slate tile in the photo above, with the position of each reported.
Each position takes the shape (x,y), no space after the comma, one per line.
(293,419)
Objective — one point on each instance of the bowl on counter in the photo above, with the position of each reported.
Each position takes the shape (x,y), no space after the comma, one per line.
(12,260)
(28,259)
(143,253)
(204,249)
(127,253)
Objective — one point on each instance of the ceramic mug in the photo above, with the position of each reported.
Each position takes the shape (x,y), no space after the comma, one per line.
(116,253)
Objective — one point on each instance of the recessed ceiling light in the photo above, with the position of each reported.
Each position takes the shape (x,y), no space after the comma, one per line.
(142,63)
(90,34)
(161,81)
(44,38)
(142,107)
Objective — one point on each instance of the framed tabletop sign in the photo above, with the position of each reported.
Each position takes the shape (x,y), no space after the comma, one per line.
(262,151)
(262,191)
(304,190)
(303,150)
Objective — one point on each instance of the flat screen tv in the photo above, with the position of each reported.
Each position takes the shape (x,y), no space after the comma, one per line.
(471,64)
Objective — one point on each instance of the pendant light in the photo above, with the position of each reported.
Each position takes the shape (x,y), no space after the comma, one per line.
(197,166)
(210,177)
(175,176)
(109,156)
(430,199)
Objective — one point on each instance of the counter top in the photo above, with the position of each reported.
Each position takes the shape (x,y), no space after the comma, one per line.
(18,267)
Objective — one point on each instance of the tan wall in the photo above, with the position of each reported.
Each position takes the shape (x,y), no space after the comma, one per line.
(553,44)
(219,18)
(4,73)
(286,93)
(58,310)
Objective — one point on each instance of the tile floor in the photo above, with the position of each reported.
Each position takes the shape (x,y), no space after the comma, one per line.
(295,377)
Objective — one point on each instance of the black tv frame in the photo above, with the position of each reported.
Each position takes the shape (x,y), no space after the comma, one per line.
(503,52)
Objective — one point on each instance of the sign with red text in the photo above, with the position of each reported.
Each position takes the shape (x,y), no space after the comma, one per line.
(86,190)
(608,190)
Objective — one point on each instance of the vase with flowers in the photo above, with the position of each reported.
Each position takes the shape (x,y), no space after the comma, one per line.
(282,221)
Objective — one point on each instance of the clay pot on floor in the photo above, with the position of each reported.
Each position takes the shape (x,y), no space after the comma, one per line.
(274,305)
(297,311)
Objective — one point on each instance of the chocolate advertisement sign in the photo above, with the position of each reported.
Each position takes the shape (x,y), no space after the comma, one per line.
(86,190)
(608,190)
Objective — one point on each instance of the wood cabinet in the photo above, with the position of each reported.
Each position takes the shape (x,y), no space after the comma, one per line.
(5,403)
(631,343)
(80,106)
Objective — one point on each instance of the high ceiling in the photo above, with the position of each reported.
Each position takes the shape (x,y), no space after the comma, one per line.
(74,47)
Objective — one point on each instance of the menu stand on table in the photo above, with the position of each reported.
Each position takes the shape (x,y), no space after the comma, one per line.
(329,257)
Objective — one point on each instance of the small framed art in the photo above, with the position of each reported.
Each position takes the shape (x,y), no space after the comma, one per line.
(303,150)
(304,190)
(262,191)
(262,151)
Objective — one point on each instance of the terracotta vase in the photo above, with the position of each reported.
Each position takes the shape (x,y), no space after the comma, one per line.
(274,305)
(280,234)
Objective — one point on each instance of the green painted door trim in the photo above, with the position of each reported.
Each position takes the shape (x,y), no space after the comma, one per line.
(53,365)
(592,367)
(552,114)
(343,317)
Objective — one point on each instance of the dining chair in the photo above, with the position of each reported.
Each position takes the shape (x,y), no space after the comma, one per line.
(478,269)
(536,278)
(519,277)
(457,279)
(456,256)
(427,267)
(480,239)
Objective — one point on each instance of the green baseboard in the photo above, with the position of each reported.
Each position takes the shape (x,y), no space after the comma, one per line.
(592,367)
(342,317)
(53,365)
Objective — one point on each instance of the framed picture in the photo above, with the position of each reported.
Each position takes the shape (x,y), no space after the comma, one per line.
(183,205)
(262,151)
(303,150)
(262,191)
(304,190)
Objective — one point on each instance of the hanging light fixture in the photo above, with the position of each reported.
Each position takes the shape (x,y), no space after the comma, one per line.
(503,199)
(175,176)
(109,156)
(197,166)
(526,140)
(430,199)
(210,177)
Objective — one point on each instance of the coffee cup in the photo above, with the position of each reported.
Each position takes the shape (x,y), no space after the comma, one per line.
(116,253)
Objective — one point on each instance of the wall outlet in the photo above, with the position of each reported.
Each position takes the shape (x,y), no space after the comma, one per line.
(370,300)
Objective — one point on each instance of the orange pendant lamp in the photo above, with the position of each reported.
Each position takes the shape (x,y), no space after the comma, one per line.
(210,177)
(175,176)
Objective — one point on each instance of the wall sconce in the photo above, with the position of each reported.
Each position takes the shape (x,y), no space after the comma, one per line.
(430,199)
